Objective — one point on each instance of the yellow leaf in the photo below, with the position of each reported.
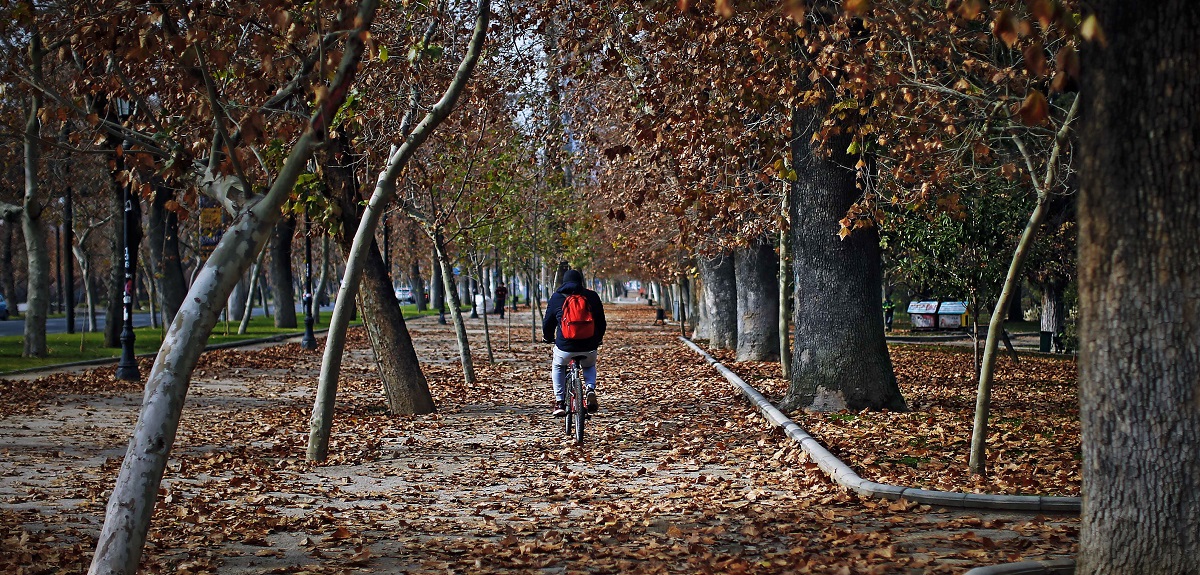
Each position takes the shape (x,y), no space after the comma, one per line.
(1092,32)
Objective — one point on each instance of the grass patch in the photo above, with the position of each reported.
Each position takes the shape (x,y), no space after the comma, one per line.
(70,348)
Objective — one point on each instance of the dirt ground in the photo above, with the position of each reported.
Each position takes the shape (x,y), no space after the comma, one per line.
(678,474)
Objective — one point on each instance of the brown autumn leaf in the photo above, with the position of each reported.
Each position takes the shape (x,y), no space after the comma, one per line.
(1034,110)
(857,7)
(1035,59)
(970,9)
(1004,27)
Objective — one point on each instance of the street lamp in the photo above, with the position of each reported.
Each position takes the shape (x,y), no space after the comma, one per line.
(309,341)
(127,369)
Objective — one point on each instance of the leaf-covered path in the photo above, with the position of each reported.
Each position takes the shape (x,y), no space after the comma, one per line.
(678,476)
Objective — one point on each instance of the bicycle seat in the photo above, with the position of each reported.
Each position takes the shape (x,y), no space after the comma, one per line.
(579,357)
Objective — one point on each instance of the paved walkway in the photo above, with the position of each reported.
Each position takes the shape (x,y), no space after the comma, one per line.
(679,475)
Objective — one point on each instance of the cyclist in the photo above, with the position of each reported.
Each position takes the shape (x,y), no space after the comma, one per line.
(567,347)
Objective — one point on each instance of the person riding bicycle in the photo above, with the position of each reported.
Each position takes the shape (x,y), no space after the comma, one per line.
(573,339)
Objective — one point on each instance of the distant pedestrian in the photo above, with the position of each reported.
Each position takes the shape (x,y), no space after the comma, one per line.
(501,297)
(889,311)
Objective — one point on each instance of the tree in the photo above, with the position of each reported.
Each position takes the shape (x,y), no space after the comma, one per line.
(839,357)
(1139,259)
(132,501)
(364,237)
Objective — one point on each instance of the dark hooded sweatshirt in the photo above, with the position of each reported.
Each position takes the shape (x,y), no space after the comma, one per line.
(573,284)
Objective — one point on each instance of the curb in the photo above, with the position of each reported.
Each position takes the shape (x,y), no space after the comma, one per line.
(841,473)
(1055,567)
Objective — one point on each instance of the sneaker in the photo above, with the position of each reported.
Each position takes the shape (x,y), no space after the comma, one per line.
(560,408)
(592,404)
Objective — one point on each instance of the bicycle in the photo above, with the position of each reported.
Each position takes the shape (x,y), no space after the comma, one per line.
(575,400)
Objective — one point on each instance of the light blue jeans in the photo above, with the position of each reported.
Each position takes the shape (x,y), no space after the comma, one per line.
(558,371)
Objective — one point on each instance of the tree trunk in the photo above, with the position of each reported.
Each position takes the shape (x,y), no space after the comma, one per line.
(418,285)
(404,383)
(116,275)
(1139,260)
(163,231)
(437,287)
(1053,318)
(785,295)
(8,284)
(460,328)
(840,359)
(1015,312)
(33,227)
(255,278)
(323,282)
(983,397)
(282,278)
(757,279)
(239,299)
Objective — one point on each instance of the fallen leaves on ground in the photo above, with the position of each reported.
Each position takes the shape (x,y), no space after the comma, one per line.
(1033,433)
(678,474)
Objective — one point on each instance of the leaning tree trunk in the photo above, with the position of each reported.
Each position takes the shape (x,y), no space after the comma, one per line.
(839,359)
(163,232)
(1139,262)
(719,298)
(983,397)
(404,383)
(460,328)
(127,516)
(385,190)
(757,277)
(282,279)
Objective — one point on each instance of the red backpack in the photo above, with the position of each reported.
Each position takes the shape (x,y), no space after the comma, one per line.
(577,322)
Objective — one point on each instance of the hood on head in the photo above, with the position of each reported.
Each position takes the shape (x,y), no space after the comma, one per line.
(573,277)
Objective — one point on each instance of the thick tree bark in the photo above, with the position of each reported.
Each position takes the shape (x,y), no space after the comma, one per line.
(719,299)
(1139,262)
(757,277)
(282,278)
(840,359)
(404,383)
(163,232)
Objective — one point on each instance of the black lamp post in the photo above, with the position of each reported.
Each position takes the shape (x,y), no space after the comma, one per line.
(309,341)
(127,369)
(68,257)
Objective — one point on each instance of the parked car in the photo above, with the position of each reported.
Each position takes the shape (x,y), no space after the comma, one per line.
(405,295)
(3,309)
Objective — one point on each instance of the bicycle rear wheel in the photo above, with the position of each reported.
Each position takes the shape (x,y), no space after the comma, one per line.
(579,409)
(580,414)
(571,400)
